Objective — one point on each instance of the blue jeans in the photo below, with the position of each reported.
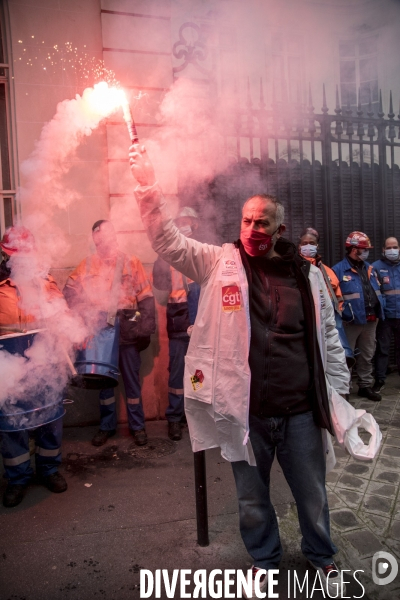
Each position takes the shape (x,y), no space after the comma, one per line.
(16,456)
(129,364)
(298,444)
(177,351)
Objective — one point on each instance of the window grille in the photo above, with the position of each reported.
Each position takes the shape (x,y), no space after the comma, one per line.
(7,184)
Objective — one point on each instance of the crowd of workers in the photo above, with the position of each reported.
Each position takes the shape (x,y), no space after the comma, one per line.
(367,302)
(267,306)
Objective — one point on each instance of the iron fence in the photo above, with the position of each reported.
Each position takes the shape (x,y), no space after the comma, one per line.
(336,172)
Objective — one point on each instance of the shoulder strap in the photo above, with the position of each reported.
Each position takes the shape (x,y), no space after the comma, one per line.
(115,289)
(185,284)
(330,288)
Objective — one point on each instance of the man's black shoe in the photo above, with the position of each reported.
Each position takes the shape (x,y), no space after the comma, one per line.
(378,386)
(13,495)
(368,393)
(140,437)
(101,437)
(55,483)
(174,431)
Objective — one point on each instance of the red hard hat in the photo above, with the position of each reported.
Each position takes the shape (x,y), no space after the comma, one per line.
(17,239)
(358,239)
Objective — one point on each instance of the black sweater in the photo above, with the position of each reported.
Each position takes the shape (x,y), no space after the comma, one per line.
(287,375)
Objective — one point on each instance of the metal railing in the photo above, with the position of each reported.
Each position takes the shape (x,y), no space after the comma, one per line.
(336,172)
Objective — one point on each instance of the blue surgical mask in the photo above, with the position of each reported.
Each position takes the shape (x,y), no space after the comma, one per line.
(392,254)
(364,254)
(308,250)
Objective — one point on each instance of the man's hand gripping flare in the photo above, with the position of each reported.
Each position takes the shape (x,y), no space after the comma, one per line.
(141,166)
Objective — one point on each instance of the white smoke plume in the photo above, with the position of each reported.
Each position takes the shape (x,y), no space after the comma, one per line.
(39,378)
(43,171)
(188,140)
(44,188)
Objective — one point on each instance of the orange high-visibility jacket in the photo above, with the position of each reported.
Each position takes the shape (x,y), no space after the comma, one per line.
(89,288)
(12,314)
(334,281)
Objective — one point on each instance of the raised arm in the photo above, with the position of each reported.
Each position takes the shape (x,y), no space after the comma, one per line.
(194,259)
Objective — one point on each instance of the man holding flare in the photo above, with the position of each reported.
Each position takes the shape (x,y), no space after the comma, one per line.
(263,312)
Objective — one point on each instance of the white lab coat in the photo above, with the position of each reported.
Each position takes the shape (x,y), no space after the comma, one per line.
(217,402)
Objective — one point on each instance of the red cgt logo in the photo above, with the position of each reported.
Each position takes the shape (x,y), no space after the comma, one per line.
(231,299)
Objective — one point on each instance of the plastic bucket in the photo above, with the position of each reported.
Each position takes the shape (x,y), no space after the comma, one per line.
(97,361)
(17,414)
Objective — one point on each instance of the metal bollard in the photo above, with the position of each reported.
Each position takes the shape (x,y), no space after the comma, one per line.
(201,497)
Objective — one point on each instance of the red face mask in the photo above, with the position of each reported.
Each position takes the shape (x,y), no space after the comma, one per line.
(256,243)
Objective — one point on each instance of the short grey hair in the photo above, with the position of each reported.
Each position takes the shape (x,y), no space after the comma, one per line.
(280,209)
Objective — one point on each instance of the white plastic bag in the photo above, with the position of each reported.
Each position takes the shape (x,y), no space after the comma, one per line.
(346,421)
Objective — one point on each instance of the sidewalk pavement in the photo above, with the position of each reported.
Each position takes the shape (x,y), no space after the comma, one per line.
(130,508)
(363,496)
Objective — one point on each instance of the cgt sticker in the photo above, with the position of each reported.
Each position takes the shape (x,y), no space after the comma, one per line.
(386,279)
(197,380)
(228,268)
(231,300)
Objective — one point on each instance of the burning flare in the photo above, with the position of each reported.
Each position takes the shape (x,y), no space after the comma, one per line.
(105,100)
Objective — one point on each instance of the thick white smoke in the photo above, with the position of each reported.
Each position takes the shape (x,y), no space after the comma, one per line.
(41,377)
(43,171)
(44,189)
(188,140)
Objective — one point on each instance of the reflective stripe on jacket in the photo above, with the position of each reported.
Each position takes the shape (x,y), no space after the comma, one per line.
(352,290)
(217,373)
(389,277)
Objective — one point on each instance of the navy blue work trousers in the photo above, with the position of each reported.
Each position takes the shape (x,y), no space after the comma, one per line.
(384,332)
(129,364)
(177,352)
(16,455)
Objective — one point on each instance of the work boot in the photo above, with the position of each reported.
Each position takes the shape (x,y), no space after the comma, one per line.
(367,392)
(55,483)
(174,431)
(101,437)
(378,386)
(14,494)
(140,437)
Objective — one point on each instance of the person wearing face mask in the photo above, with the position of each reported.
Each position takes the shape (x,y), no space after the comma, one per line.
(18,241)
(88,291)
(258,367)
(388,269)
(183,296)
(363,307)
(308,248)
